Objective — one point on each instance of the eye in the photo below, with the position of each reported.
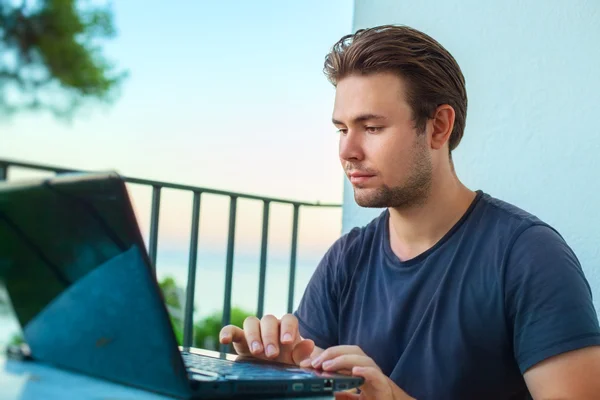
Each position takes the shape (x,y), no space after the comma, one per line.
(373,129)
(342,131)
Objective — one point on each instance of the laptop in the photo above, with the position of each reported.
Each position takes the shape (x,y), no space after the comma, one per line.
(79,279)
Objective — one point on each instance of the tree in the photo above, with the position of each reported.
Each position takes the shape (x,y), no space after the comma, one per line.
(171,297)
(52,58)
(206,331)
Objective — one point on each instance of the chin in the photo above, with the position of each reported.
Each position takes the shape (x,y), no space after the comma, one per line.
(368,198)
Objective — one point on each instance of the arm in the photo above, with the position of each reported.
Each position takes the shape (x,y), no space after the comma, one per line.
(554,324)
(318,311)
(571,375)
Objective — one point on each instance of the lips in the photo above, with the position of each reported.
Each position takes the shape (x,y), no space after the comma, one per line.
(360,177)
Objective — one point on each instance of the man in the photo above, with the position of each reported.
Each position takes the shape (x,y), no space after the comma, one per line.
(449,293)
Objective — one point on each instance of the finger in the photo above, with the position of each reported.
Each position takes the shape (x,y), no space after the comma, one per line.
(233,334)
(302,351)
(252,333)
(306,363)
(348,361)
(344,371)
(269,331)
(289,329)
(288,337)
(346,396)
(334,352)
(376,384)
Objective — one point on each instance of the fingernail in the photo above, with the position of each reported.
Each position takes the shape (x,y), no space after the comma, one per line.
(327,364)
(287,337)
(270,350)
(255,346)
(305,363)
(316,362)
(225,336)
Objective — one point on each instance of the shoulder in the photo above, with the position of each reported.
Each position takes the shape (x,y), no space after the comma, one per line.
(517,241)
(511,224)
(534,253)
(507,214)
(522,228)
(355,240)
(345,253)
(539,254)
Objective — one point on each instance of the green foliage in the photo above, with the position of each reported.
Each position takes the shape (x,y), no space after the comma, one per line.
(169,292)
(206,331)
(57,61)
(177,329)
(16,339)
(169,289)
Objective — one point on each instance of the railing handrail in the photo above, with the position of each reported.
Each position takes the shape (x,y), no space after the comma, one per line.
(170,185)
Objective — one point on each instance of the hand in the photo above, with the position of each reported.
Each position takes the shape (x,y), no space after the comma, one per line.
(270,339)
(339,359)
(351,358)
(377,386)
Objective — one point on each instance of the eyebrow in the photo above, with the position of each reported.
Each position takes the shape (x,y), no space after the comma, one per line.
(360,118)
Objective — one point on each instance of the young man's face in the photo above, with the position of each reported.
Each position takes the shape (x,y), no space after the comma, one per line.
(387,161)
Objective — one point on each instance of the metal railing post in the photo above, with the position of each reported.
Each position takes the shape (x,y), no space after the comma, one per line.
(188,319)
(293,259)
(226,320)
(3,171)
(263,261)
(153,245)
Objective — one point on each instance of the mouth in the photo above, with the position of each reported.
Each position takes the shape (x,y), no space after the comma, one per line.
(358,178)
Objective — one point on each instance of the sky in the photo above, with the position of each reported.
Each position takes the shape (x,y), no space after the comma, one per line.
(221,94)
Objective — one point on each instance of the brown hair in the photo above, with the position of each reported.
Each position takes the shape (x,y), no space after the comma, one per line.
(431,74)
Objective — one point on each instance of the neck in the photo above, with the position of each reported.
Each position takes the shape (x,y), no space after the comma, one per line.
(415,229)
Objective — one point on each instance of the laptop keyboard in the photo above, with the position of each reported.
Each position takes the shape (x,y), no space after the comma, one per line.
(233,370)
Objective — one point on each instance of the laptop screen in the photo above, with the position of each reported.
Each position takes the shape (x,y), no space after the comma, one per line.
(78,277)
(54,232)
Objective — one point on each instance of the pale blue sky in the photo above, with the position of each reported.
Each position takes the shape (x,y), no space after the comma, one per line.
(225,94)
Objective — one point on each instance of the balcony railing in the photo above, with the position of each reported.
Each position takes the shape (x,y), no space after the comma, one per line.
(197,192)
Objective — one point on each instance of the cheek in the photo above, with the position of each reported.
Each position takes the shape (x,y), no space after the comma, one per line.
(393,160)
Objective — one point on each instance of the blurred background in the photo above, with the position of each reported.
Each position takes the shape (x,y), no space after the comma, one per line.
(230,95)
(227,95)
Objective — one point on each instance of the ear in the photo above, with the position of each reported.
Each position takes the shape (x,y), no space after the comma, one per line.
(442,124)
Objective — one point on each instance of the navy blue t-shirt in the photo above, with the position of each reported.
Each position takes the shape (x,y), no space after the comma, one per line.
(500,292)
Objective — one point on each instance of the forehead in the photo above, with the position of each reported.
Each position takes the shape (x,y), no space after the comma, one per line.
(378,94)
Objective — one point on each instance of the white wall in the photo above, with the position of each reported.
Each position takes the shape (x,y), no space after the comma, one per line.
(533,124)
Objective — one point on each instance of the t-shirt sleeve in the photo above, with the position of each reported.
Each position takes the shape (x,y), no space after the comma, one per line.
(317,312)
(548,299)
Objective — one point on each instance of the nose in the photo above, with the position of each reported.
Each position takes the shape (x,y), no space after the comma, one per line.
(351,146)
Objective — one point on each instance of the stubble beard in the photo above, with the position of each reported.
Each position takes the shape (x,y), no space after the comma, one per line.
(413,192)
